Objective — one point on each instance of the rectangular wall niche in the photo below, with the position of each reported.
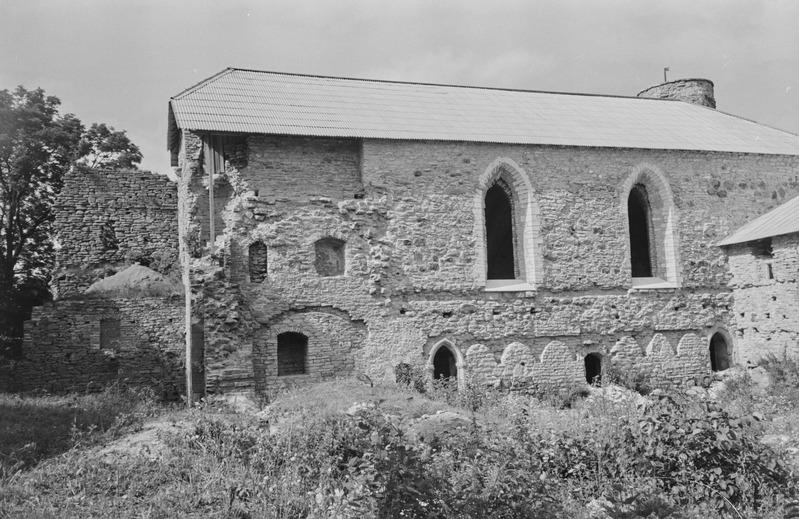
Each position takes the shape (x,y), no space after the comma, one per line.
(257,262)
(110,333)
(292,350)
(330,257)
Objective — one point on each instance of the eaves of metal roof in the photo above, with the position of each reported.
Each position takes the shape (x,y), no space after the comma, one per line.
(777,222)
(247,101)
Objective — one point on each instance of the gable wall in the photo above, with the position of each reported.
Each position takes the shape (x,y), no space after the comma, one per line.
(766,310)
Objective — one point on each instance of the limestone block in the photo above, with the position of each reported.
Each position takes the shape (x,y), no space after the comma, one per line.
(481,365)
(659,347)
(515,355)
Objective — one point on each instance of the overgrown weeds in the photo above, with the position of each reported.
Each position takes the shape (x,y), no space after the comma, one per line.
(34,427)
(521,456)
(783,371)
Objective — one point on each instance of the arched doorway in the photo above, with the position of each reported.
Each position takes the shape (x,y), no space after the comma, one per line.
(719,352)
(593,368)
(444,364)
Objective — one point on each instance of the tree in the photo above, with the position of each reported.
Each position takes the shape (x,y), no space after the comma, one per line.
(104,147)
(37,146)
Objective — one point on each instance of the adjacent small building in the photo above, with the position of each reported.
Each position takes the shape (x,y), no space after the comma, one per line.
(764,263)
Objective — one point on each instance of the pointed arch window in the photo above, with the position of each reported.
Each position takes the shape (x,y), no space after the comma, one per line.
(507,230)
(446,360)
(652,222)
(500,257)
(640,220)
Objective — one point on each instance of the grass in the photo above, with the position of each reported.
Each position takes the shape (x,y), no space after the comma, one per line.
(313,453)
(34,427)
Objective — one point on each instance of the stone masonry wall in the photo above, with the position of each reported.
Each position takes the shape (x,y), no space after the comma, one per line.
(766,300)
(68,346)
(107,220)
(411,253)
(696,91)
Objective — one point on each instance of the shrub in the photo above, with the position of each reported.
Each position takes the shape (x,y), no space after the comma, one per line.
(783,371)
(411,376)
(638,378)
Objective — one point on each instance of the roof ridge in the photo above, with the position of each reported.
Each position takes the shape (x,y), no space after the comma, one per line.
(421,83)
(757,228)
(203,82)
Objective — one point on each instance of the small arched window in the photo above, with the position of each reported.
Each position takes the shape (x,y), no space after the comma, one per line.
(292,354)
(593,368)
(257,262)
(640,219)
(499,232)
(719,352)
(330,257)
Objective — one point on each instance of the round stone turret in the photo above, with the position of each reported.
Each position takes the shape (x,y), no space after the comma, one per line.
(696,91)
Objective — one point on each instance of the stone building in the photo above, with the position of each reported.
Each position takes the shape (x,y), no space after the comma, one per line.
(333,226)
(764,262)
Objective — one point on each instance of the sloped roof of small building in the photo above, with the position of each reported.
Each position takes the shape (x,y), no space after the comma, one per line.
(135,281)
(256,102)
(780,220)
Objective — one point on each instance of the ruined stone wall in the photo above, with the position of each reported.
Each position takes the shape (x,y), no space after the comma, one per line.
(413,252)
(106,220)
(86,344)
(766,298)
(696,91)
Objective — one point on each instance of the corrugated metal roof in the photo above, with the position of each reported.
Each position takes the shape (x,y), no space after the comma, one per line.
(781,220)
(249,101)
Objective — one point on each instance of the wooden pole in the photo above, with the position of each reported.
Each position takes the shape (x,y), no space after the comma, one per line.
(209,160)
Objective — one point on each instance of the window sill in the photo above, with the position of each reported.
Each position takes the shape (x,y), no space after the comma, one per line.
(294,376)
(652,284)
(508,285)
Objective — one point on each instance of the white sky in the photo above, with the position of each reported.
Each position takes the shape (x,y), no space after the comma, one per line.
(119,62)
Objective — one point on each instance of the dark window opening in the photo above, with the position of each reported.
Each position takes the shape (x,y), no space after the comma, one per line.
(444,365)
(330,257)
(770,270)
(110,333)
(292,352)
(762,248)
(108,236)
(719,358)
(257,262)
(499,233)
(593,368)
(638,212)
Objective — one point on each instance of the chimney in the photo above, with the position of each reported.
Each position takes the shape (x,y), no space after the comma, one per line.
(696,91)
